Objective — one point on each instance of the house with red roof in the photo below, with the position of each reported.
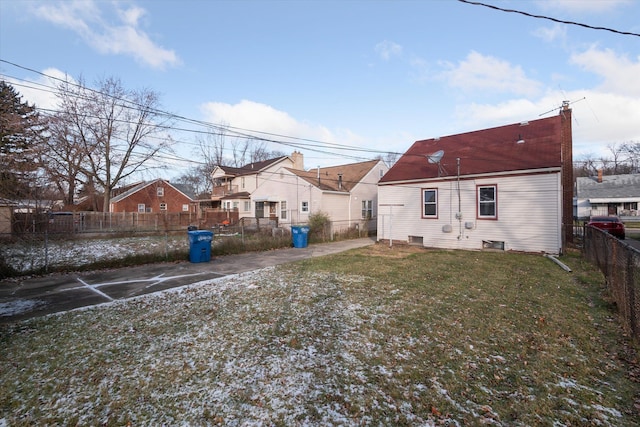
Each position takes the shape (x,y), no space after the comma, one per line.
(158,195)
(505,188)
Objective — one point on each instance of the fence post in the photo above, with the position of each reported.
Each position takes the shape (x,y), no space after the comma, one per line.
(46,249)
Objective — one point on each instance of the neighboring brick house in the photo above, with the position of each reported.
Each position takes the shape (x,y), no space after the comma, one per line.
(154,196)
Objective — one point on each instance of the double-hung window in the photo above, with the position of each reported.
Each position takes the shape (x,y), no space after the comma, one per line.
(430,203)
(259,209)
(283,209)
(304,207)
(367,209)
(487,196)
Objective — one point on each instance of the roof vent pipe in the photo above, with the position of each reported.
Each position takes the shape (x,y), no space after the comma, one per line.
(339,181)
(318,175)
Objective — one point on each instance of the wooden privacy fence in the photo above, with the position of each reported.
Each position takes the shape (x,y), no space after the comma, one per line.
(620,264)
(98,222)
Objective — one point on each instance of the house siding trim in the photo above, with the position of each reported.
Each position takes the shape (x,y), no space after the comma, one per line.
(478,176)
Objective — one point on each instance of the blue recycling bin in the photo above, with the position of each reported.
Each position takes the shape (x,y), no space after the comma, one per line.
(299,234)
(200,245)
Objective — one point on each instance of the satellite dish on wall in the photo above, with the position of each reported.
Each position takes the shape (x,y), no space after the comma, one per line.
(435,157)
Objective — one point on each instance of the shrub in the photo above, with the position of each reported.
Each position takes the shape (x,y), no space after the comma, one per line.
(319,223)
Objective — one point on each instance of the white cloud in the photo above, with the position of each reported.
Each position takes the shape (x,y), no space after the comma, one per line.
(599,118)
(387,49)
(487,73)
(556,32)
(41,91)
(619,73)
(126,37)
(249,115)
(578,6)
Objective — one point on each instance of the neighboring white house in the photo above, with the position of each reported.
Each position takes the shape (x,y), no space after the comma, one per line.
(607,195)
(508,188)
(281,189)
(232,187)
(348,194)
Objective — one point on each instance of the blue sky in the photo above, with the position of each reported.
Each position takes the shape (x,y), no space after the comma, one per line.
(371,75)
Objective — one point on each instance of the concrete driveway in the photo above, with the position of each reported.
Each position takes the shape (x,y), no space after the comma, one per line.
(33,297)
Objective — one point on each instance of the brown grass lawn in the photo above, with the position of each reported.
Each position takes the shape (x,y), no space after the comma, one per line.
(374,336)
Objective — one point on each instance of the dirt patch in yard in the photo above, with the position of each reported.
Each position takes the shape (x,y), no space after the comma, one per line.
(396,252)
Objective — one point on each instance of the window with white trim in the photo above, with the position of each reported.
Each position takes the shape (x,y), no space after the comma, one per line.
(185,208)
(141,207)
(163,206)
(247,206)
(367,209)
(283,209)
(304,207)
(487,202)
(160,191)
(430,203)
(259,209)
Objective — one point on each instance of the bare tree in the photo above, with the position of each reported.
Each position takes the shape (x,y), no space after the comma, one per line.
(114,128)
(632,149)
(198,179)
(63,157)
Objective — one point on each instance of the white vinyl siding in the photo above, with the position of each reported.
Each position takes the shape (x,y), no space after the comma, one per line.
(529,214)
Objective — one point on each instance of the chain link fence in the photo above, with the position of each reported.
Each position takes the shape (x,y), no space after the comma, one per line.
(620,264)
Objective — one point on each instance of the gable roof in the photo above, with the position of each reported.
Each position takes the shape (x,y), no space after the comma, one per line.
(250,168)
(178,187)
(485,151)
(611,187)
(351,173)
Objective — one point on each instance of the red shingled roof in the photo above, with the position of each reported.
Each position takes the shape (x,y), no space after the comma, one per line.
(484,151)
(351,173)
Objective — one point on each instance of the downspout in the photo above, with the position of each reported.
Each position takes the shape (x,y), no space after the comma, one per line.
(459,214)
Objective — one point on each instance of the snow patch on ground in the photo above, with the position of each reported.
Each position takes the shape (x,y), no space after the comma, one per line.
(13,308)
(74,253)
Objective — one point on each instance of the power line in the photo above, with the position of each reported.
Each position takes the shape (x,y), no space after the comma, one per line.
(531,15)
(222,130)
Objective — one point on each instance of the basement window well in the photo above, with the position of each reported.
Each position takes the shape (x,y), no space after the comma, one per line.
(493,244)
(415,240)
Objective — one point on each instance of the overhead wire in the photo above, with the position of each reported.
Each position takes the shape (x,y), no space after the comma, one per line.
(212,129)
(295,142)
(560,21)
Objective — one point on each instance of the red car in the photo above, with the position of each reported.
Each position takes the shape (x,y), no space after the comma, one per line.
(610,224)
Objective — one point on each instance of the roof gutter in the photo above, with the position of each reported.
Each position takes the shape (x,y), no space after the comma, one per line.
(475,176)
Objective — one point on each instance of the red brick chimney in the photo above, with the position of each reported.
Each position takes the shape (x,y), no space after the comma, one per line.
(567,173)
(599,176)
